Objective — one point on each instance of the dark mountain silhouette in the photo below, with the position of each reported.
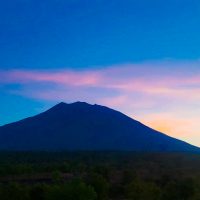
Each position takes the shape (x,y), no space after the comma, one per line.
(81,126)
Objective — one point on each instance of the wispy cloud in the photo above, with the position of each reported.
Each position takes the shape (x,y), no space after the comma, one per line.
(147,91)
(58,77)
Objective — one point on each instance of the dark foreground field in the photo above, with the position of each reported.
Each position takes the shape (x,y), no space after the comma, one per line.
(99,175)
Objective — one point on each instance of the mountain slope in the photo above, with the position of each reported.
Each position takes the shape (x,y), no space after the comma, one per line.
(81,126)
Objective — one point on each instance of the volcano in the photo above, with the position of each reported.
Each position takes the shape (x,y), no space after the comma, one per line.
(82,126)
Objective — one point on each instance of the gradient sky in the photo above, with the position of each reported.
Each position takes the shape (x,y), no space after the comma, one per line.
(140,57)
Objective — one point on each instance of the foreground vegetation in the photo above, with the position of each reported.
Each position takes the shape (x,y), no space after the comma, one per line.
(99,176)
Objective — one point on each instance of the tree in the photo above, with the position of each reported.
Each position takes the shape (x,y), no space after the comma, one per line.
(37,193)
(75,190)
(14,191)
(179,190)
(56,176)
(140,190)
(100,185)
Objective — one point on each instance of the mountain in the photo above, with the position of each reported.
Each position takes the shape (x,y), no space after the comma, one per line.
(81,126)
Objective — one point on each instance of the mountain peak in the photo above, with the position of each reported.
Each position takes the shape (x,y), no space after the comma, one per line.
(80,103)
(74,103)
(64,106)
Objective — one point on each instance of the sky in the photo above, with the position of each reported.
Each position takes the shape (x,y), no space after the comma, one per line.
(139,57)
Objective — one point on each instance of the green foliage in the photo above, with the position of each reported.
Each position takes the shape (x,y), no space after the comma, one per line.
(179,190)
(75,190)
(56,176)
(37,192)
(14,191)
(128,176)
(100,185)
(139,190)
(99,176)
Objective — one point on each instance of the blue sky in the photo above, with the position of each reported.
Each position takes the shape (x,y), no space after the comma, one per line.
(140,57)
(88,33)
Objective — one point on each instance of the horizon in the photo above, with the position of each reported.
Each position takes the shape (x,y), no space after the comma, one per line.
(140,58)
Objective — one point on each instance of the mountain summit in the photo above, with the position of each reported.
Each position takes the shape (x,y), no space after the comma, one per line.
(82,126)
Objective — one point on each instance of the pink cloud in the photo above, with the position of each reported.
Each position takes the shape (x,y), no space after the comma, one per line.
(147,91)
(58,77)
(159,81)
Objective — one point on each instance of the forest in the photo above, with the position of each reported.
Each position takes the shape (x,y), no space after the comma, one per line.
(99,176)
